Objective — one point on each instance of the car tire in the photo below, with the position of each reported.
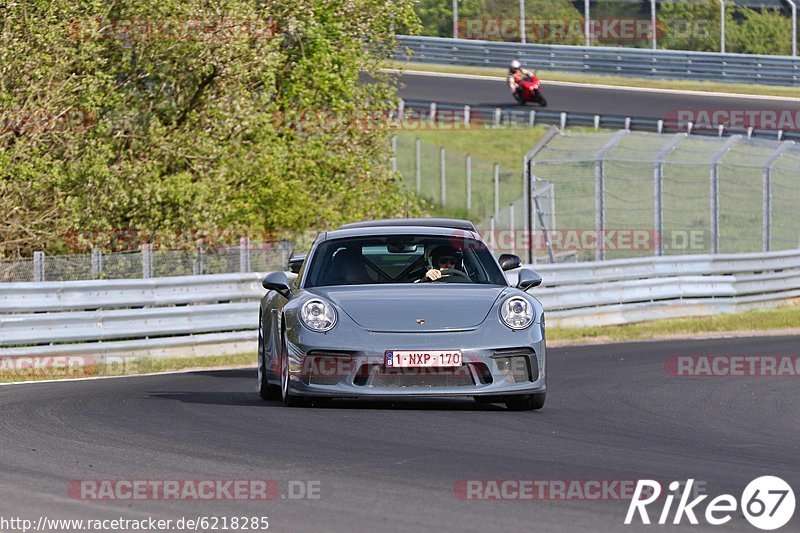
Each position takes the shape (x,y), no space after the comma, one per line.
(288,398)
(266,390)
(527,402)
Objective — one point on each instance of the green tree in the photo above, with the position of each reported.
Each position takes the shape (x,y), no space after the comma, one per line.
(237,113)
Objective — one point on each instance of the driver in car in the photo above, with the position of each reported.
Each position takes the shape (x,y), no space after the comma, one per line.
(443,258)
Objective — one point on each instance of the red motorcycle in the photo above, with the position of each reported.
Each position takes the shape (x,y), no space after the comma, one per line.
(528,91)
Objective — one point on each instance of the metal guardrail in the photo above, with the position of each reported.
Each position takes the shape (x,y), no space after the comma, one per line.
(518,116)
(632,62)
(214,315)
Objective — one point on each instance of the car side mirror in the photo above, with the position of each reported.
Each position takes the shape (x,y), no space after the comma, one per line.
(277,281)
(295,262)
(509,262)
(528,278)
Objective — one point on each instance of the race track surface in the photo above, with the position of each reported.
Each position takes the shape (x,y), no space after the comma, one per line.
(578,99)
(612,413)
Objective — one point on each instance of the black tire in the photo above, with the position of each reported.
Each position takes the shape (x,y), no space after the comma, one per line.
(527,402)
(519,99)
(289,399)
(539,99)
(266,390)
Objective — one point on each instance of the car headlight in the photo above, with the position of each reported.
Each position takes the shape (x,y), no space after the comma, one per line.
(516,313)
(318,315)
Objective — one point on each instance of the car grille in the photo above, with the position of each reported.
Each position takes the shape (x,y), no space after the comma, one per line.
(378,376)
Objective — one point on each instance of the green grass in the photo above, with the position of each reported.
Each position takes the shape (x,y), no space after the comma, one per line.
(129,367)
(685,85)
(781,318)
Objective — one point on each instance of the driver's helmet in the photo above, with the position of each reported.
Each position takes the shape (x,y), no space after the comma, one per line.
(446,257)
(514,66)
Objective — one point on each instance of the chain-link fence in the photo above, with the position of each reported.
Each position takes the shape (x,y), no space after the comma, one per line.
(147,263)
(628,194)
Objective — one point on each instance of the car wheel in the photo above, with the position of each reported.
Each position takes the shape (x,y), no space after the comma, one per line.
(286,390)
(527,402)
(266,390)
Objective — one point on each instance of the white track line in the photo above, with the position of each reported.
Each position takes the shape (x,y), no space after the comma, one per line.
(167,373)
(604,87)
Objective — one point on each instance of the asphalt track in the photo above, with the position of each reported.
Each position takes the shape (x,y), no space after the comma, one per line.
(579,99)
(612,413)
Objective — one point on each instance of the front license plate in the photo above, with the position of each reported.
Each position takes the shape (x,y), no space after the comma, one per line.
(423,358)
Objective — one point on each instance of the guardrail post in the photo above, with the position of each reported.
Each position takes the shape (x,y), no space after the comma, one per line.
(38,266)
(418,164)
(498,114)
(469,182)
(432,112)
(401,110)
(244,254)
(466,115)
(532,118)
(443,169)
(660,126)
(97,263)
(627,123)
(563,120)
(147,261)
(597,122)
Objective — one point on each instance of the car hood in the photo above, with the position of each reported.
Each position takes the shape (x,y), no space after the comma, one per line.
(400,307)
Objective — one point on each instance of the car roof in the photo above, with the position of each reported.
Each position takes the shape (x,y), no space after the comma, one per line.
(368,231)
(450,223)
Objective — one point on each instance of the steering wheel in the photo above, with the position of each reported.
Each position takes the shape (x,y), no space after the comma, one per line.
(452,272)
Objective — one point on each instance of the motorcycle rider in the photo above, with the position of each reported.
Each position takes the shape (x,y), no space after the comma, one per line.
(516,73)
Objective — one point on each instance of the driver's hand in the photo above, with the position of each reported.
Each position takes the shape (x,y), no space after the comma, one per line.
(433,274)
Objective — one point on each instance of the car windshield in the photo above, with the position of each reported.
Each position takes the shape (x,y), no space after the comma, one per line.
(402,259)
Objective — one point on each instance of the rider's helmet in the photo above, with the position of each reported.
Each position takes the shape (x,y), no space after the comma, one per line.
(514,66)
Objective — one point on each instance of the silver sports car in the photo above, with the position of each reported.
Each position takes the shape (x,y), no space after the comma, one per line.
(402,308)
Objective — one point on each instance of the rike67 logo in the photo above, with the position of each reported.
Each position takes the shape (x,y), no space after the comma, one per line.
(767,503)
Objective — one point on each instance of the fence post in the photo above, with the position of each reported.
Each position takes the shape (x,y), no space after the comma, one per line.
(658,191)
(432,113)
(401,110)
(394,154)
(97,263)
(147,261)
(418,170)
(511,227)
(767,194)
(38,266)
(469,182)
(496,190)
(466,115)
(199,262)
(600,192)
(722,26)
(244,254)
(715,159)
(443,170)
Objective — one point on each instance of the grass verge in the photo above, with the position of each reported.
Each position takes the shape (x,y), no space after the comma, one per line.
(68,367)
(683,85)
(785,318)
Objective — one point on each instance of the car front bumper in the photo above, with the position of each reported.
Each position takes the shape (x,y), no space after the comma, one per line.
(495,361)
